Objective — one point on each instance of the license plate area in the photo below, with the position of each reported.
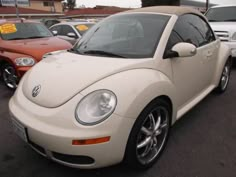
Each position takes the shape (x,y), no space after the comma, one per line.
(20,130)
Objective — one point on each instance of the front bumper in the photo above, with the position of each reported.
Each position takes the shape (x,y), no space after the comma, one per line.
(232,46)
(51,131)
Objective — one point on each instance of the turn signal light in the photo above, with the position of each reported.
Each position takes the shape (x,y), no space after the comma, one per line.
(91,141)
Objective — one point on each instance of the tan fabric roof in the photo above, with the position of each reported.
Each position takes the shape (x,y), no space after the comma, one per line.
(177,10)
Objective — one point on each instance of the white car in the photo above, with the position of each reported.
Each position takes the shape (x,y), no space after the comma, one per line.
(223,21)
(71,31)
(115,95)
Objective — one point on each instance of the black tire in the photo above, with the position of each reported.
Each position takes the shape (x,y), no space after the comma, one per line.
(225,77)
(9,78)
(135,153)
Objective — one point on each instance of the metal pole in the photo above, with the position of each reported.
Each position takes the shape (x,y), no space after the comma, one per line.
(17,10)
(207,4)
(54,8)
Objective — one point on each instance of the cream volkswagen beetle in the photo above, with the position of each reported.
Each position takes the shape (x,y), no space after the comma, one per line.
(115,95)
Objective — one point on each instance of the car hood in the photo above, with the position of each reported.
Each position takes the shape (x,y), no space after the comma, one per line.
(63,75)
(35,47)
(223,26)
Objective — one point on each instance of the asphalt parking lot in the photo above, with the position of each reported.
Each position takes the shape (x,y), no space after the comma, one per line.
(202,144)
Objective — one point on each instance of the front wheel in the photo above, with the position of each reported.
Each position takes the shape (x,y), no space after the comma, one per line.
(9,76)
(149,135)
(224,80)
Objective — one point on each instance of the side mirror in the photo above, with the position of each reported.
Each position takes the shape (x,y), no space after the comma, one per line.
(72,35)
(54,33)
(184,49)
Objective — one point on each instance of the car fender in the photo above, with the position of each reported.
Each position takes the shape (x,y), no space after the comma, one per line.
(135,89)
(9,57)
(223,55)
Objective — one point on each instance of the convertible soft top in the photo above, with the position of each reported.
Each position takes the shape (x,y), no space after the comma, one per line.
(176,10)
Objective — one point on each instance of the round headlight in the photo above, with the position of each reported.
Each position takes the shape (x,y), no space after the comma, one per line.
(25,61)
(95,107)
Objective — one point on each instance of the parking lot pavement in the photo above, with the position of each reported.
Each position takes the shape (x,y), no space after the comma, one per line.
(202,144)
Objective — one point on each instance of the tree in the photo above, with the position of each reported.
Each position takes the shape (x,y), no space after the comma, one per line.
(146,3)
(71,4)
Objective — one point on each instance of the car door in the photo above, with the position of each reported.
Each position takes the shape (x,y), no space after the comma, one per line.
(191,75)
(65,30)
(211,44)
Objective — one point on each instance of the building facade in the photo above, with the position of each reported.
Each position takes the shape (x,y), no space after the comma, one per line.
(36,9)
(46,5)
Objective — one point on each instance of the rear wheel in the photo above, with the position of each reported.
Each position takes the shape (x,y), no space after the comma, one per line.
(149,135)
(224,80)
(9,76)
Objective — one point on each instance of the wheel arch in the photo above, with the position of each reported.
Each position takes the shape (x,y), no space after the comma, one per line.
(169,102)
(223,56)
(2,62)
(5,60)
(133,132)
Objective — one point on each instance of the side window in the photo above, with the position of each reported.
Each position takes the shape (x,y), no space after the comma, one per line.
(188,30)
(174,39)
(67,29)
(191,28)
(56,28)
(205,30)
(202,28)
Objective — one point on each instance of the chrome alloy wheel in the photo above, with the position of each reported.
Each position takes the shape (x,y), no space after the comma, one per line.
(9,77)
(225,76)
(152,135)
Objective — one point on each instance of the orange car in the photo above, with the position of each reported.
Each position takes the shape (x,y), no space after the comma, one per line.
(23,44)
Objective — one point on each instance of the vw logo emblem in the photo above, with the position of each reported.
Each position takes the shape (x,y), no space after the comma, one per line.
(36,90)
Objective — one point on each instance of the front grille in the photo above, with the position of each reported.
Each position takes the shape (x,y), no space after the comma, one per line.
(72,159)
(223,35)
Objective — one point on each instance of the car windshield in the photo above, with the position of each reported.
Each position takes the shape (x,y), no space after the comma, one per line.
(19,31)
(124,36)
(221,14)
(82,28)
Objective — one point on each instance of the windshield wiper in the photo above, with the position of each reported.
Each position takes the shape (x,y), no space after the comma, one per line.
(213,20)
(100,52)
(227,20)
(72,50)
(230,20)
(35,37)
(16,38)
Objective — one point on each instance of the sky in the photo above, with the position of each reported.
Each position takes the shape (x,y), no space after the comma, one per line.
(134,3)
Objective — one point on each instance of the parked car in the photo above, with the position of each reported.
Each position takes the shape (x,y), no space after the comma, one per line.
(48,22)
(223,21)
(115,95)
(22,44)
(71,31)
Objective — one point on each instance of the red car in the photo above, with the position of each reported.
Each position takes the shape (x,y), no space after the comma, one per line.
(22,44)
